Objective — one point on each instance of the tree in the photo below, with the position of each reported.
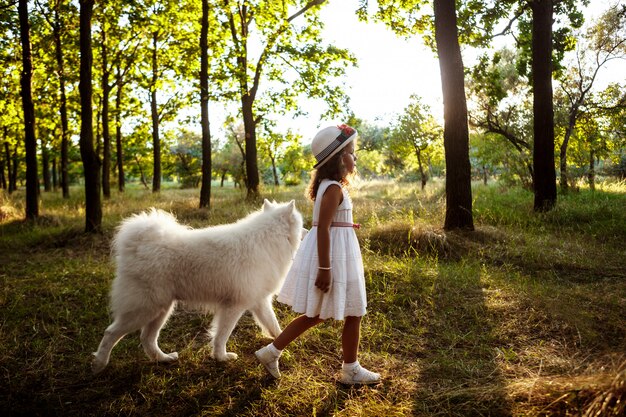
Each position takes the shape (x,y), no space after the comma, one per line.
(418,131)
(543,46)
(91,161)
(188,154)
(32,183)
(106,93)
(283,46)
(297,162)
(124,63)
(55,14)
(408,19)
(610,104)
(168,37)
(205,190)
(456,132)
(543,110)
(500,104)
(11,112)
(605,42)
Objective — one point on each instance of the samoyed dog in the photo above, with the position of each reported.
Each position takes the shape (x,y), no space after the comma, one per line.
(227,269)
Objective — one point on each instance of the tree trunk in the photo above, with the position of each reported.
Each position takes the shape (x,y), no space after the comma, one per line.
(485,176)
(421,168)
(205,189)
(63,103)
(591,176)
(91,163)
(456,133)
(156,142)
(45,167)
(106,137)
(121,181)
(3,178)
(11,178)
(142,176)
(252,170)
(544,183)
(32,184)
(563,151)
(55,177)
(14,165)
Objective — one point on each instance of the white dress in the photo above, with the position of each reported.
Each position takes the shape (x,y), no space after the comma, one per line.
(346,296)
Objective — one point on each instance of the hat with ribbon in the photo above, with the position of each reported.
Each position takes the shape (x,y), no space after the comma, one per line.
(331,140)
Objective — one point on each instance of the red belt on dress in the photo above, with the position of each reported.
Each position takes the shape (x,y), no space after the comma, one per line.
(342,224)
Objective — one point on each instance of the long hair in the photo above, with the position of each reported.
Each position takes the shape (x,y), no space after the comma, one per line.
(333,170)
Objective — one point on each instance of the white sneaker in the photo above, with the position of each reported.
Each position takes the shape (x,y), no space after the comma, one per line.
(359,375)
(269,360)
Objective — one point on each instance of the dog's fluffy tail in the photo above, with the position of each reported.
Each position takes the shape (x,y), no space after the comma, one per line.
(148,226)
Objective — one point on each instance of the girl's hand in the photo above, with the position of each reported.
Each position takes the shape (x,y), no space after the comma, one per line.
(323,280)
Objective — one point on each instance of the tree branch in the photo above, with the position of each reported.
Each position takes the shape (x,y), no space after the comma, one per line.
(271,42)
(8,5)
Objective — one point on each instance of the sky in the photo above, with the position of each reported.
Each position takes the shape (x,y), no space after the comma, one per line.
(391,69)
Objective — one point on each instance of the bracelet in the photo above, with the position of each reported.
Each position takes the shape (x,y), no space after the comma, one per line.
(325,268)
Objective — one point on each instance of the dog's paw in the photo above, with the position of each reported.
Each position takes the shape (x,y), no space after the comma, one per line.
(168,357)
(97,365)
(227,356)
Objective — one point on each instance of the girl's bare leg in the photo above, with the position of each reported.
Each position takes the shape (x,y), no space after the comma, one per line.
(297,326)
(350,338)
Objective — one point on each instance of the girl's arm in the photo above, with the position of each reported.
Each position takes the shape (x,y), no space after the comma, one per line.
(328,207)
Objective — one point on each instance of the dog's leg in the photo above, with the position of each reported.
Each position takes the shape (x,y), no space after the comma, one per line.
(223,324)
(266,318)
(150,335)
(120,327)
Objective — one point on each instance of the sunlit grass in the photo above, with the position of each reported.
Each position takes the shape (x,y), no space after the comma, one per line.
(524,316)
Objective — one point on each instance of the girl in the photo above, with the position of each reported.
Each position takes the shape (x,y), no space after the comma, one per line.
(326,279)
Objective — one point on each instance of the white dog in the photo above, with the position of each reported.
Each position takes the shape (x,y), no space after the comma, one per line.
(228,269)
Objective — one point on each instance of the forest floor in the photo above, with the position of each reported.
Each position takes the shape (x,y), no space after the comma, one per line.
(524,316)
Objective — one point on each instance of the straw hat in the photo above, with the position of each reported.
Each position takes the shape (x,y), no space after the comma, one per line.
(331,140)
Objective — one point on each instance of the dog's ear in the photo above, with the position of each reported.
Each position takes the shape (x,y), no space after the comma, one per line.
(266,204)
(292,205)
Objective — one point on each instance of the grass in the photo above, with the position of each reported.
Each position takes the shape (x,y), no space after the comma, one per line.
(524,316)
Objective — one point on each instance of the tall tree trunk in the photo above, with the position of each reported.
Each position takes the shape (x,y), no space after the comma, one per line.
(7,152)
(156,142)
(55,177)
(252,170)
(45,167)
(63,102)
(3,178)
(591,176)
(14,165)
(32,184)
(142,176)
(91,163)
(544,183)
(456,132)
(205,189)
(563,151)
(106,137)
(421,168)
(121,181)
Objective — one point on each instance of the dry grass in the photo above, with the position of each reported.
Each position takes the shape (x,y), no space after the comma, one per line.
(523,317)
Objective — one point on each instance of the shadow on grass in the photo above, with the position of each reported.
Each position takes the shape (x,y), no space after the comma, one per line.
(459,374)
